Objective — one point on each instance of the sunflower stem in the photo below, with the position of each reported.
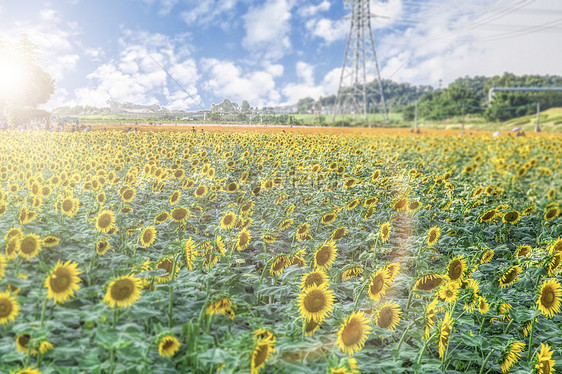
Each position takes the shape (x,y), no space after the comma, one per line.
(486,361)
(531,340)
(43,309)
(423,349)
(359,295)
(404,335)
(115,317)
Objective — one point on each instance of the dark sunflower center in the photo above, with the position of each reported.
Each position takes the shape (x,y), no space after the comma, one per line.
(385,317)
(167,345)
(377,284)
(5,308)
(24,340)
(510,275)
(122,289)
(547,298)
(323,255)
(432,236)
(60,281)
(313,279)
(315,301)
(179,214)
(67,205)
(147,236)
(166,265)
(28,245)
(104,220)
(339,233)
(352,333)
(260,355)
(455,270)
(227,220)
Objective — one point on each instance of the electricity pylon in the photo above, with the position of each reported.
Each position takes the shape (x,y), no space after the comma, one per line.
(359,64)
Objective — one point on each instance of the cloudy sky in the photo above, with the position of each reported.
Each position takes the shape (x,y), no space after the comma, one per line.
(189,54)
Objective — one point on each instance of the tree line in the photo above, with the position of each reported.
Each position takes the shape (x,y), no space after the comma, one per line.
(464,96)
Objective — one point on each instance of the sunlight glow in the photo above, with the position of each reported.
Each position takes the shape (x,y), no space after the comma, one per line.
(12,78)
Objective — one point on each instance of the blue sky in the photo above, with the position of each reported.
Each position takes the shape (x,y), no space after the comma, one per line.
(271,52)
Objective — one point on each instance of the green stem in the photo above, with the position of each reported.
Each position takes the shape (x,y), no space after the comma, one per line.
(43,309)
(404,335)
(486,361)
(423,349)
(115,317)
(359,295)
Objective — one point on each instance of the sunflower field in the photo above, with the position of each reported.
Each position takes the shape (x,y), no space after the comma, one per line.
(243,252)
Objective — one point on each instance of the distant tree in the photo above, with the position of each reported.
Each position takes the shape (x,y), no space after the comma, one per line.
(305,105)
(245,107)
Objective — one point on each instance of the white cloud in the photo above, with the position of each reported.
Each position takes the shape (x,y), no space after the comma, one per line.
(227,80)
(312,10)
(137,75)
(327,29)
(208,11)
(306,85)
(268,28)
(445,41)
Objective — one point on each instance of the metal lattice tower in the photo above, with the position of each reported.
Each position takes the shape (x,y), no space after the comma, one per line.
(359,64)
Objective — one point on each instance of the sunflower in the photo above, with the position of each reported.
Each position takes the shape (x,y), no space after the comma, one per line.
(328,218)
(400,204)
(429,282)
(148,236)
(264,335)
(549,297)
(105,220)
(456,268)
(551,213)
(45,346)
(530,209)
(544,364)
(122,291)
(302,232)
(168,346)
(30,246)
(279,264)
(167,263)
(430,317)
(228,221)
(9,308)
(161,217)
(221,306)
(433,235)
(554,263)
(263,350)
(298,258)
(12,247)
(316,302)
(13,232)
(509,276)
(413,206)
(512,217)
(63,281)
(190,252)
(385,231)
(200,191)
(487,256)
(388,315)
(392,268)
(338,233)
(101,197)
(488,215)
(354,271)
(175,197)
(483,306)
(102,246)
(311,327)
(70,206)
(556,246)
(180,214)
(243,239)
(22,344)
(50,241)
(285,224)
(511,355)
(444,334)
(378,284)
(314,278)
(353,333)
(449,292)
(325,256)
